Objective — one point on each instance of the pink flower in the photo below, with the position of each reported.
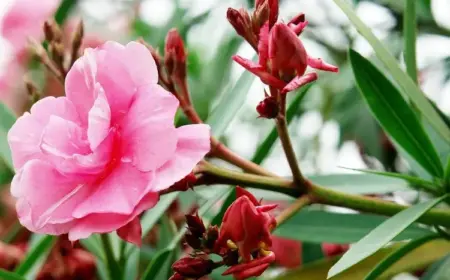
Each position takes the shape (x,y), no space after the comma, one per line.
(283,58)
(24,19)
(92,161)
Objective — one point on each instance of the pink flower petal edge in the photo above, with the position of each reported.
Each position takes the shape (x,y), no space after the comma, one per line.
(92,161)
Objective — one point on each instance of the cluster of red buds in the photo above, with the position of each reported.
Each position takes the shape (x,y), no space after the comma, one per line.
(243,241)
(282,57)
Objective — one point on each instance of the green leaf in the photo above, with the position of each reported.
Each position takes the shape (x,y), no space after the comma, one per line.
(396,255)
(409,33)
(394,114)
(381,235)
(311,252)
(6,174)
(321,226)
(415,181)
(158,263)
(64,10)
(439,270)
(217,220)
(8,275)
(7,119)
(230,104)
(36,256)
(418,259)
(360,183)
(266,146)
(93,245)
(404,81)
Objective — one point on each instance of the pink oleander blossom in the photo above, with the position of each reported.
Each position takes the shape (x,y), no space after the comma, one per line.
(92,161)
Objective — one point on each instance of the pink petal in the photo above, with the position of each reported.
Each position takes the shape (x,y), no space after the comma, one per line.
(45,207)
(62,138)
(102,223)
(118,193)
(193,144)
(149,135)
(132,232)
(99,119)
(138,60)
(259,71)
(263,45)
(24,137)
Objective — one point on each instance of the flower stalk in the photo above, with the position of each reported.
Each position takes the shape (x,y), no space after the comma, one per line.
(210,173)
(112,265)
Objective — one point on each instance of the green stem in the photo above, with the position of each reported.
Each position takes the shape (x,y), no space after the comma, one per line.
(318,194)
(283,133)
(111,263)
(409,33)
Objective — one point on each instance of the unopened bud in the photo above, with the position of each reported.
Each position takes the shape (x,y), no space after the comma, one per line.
(231,257)
(211,236)
(175,55)
(52,31)
(268,108)
(77,41)
(193,267)
(195,225)
(260,16)
(32,90)
(193,241)
(266,10)
(57,51)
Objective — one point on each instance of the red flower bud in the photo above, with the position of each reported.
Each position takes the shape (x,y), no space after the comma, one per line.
(247,224)
(195,225)
(251,269)
(175,54)
(272,6)
(211,237)
(193,267)
(268,108)
(241,22)
(192,240)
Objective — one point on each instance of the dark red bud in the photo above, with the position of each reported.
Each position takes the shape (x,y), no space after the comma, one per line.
(268,108)
(193,267)
(193,241)
(231,257)
(195,225)
(211,236)
(240,20)
(185,183)
(175,54)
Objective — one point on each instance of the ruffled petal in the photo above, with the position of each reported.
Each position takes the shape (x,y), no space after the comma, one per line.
(193,144)
(149,135)
(99,119)
(46,207)
(102,223)
(24,137)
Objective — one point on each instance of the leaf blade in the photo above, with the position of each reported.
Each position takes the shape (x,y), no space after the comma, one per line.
(405,82)
(381,235)
(36,256)
(394,114)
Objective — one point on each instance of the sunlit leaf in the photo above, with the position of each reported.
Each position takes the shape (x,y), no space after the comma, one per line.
(381,235)
(36,256)
(396,255)
(417,259)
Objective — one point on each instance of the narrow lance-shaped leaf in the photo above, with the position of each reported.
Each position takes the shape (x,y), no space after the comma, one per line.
(406,83)
(36,256)
(397,255)
(394,114)
(380,236)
